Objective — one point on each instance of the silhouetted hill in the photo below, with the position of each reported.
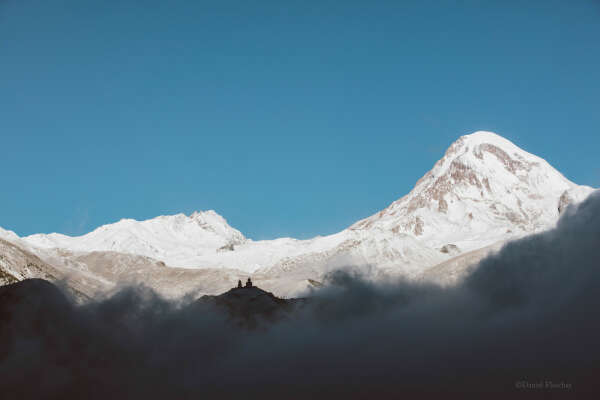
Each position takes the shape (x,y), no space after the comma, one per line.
(28,311)
(251,304)
(31,296)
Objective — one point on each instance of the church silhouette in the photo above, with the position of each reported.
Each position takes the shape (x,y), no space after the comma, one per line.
(248,283)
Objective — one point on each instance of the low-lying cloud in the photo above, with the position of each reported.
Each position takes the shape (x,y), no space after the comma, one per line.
(527,315)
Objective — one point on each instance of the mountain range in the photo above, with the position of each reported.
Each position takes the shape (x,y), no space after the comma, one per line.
(483,192)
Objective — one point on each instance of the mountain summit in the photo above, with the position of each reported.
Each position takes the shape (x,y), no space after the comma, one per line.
(484,188)
(178,240)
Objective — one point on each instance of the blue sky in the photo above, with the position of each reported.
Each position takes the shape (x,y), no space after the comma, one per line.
(288,118)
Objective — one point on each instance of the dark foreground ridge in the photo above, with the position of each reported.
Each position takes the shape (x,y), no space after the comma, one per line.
(249,305)
(25,305)
(245,307)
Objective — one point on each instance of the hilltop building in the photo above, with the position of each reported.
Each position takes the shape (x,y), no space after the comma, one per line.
(248,284)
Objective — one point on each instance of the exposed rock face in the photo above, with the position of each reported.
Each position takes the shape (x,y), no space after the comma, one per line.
(564,201)
(450,249)
(17,264)
(227,247)
(483,187)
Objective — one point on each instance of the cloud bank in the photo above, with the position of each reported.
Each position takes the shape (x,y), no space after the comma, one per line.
(527,315)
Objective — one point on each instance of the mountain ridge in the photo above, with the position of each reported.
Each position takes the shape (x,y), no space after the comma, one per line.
(484,190)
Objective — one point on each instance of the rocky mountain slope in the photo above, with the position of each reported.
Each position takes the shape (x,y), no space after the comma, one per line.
(17,264)
(483,188)
(483,192)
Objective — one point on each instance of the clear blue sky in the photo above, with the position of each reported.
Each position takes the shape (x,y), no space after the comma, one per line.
(289,118)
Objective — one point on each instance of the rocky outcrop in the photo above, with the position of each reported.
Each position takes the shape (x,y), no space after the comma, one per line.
(451,249)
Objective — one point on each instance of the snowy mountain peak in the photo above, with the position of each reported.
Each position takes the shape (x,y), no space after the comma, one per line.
(483,188)
(489,154)
(173,238)
(479,137)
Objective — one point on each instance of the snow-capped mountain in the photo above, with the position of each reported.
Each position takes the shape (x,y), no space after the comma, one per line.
(178,240)
(484,191)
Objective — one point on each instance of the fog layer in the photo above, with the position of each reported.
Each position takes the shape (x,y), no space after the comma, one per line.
(528,313)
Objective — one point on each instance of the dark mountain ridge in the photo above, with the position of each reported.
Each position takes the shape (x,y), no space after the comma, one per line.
(249,305)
